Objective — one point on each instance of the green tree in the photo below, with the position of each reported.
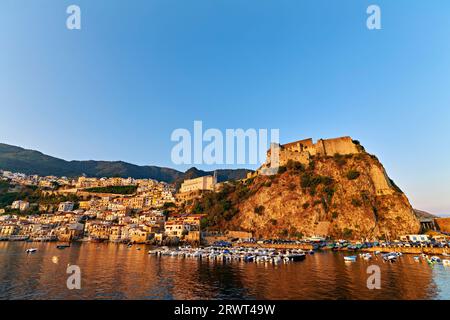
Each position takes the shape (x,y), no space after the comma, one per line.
(352,174)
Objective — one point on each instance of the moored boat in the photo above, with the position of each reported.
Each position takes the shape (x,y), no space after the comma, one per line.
(297,257)
(18,238)
(391,256)
(350,258)
(435,259)
(366,256)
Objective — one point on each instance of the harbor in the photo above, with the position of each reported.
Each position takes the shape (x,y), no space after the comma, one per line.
(118,271)
(245,254)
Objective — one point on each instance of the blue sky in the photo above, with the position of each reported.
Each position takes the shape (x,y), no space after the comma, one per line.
(139,69)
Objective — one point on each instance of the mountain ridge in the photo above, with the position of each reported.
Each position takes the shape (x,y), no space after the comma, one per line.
(18,159)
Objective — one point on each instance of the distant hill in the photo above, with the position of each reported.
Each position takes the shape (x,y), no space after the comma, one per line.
(17,159)
(423,215)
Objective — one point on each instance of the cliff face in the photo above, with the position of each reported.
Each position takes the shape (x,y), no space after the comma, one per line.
(342,196)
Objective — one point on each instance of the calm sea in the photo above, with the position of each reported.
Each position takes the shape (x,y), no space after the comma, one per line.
(112,271)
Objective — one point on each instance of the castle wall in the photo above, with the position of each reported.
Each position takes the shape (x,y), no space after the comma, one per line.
(306,145)
(330,147)
(286,155)
(302,150)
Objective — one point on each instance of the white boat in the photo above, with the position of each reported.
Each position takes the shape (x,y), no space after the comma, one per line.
(446,262)
(277,260)
(249,258)
(31,250)
(390,256)
(350,258)
(260,259)
(367,256)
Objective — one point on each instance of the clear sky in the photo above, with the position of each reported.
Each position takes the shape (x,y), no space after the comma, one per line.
(137,70)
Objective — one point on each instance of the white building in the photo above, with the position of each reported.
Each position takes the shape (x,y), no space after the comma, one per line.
(21,205)
(176,229)
(418,237)
(66,206)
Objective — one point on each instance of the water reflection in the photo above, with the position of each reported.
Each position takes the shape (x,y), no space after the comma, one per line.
(111,271)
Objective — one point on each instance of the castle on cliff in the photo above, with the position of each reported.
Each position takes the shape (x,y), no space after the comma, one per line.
(302,150)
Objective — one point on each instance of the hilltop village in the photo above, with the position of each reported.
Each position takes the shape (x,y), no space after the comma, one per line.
(128,210)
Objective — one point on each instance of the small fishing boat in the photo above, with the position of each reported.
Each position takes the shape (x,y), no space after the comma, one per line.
(249,258)
(31,250)
(390,256)
(435,259)
(296,257)
(278,259)
(417,258)
(446,262)
(366,256)
(63,246)
(260,259)
(350,258)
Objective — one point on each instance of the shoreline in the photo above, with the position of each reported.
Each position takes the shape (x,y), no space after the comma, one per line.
(303,246)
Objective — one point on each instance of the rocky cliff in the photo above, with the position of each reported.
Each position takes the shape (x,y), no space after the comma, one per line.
(347,196)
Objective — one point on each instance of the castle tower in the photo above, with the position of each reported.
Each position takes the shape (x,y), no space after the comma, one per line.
(214,179)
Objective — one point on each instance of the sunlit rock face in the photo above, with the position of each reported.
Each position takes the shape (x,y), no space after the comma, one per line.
(342,195)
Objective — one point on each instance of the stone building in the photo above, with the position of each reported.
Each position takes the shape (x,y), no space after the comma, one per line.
(200,183)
